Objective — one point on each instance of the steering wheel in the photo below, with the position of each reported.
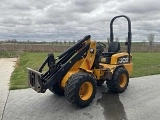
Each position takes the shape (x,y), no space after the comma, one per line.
(101,44)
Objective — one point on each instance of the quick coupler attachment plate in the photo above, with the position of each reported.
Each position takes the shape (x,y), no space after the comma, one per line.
(34,80)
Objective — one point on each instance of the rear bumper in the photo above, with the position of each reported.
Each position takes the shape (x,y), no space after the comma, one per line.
(35,81)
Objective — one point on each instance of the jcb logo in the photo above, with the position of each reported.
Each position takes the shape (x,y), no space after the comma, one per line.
(123,60)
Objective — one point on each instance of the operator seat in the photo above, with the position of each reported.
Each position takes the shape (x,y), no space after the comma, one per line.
(113,48)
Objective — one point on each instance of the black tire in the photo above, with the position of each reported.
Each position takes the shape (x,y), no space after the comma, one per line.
(80,89)
(120,80)
(56,89)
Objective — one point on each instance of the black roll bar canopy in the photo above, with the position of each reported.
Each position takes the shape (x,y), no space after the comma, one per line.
(129,32)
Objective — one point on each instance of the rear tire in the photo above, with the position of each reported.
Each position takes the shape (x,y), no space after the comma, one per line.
(80,89)
(56,89)
(119,80)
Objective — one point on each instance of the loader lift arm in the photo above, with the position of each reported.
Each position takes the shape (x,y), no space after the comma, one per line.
(58,67)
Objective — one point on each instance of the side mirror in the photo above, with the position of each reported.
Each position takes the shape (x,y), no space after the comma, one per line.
(126,43)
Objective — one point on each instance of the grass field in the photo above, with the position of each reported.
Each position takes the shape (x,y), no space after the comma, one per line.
(144,64)
(9,54)
(27,59)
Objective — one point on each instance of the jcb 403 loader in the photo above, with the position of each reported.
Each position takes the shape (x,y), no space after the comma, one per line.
(77,71)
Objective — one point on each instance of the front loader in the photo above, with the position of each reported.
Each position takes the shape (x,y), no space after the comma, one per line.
(77,71)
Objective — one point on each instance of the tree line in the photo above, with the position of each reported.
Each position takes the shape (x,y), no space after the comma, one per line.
(150,39)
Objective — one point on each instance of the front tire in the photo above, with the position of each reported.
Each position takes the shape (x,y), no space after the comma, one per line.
(80,89)
(100,82)
(119,80)
(56,89)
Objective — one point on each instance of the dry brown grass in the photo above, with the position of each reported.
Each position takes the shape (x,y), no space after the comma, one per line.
(61,48)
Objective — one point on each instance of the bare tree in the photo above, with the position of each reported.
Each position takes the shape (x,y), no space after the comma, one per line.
(65,42)
(126,39)
(56,42)
(144,42)
(108,40)
(69,42)
(74,41)
(117,39)
(150,38)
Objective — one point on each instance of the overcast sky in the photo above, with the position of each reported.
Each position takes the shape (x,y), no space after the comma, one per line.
(50,20)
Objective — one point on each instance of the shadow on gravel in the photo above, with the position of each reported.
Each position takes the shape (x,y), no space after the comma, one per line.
(113,108)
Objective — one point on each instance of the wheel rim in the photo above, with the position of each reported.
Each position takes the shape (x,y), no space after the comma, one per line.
(123,80)
(86,90)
